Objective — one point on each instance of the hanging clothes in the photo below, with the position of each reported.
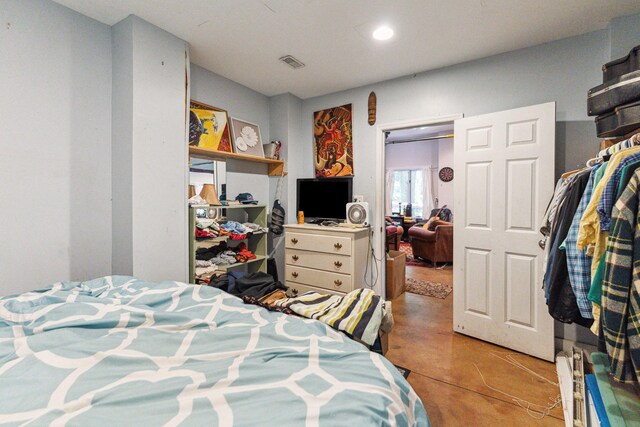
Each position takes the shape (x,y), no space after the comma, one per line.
(561,299)
(620,302)
(589,234)
(578,261)
(595,292)
(622,145)
(592,254)
(549,219)
(610,190)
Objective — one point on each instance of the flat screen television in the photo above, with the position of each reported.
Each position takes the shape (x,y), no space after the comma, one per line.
(324,198)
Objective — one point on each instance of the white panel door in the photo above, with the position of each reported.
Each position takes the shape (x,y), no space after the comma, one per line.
(504,165)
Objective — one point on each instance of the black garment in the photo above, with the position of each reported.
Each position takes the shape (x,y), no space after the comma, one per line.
(277,218)
(256,285)
(220,282)
(205,254)
(562,301)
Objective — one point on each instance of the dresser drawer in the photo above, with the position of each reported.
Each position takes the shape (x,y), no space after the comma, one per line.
(319,278)
(318,243)
(318,260)
(297,289)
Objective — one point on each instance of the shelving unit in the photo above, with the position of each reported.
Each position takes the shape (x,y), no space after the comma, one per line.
(275,167)
(256,243)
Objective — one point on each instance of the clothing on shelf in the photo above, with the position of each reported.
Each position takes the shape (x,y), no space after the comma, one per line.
(223,255)
(207,228)
(591,237)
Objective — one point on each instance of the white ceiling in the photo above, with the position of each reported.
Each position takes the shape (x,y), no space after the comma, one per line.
(243,39)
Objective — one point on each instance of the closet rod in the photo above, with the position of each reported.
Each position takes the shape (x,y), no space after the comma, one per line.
(428,138)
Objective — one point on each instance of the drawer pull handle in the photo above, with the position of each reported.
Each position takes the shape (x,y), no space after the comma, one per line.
(294,240)
(295,257)
(337,282)
(294,274)
(338,246)
(338,264)
(295,292)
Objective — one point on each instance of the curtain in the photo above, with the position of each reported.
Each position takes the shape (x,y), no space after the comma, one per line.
(427,194)
(388,190)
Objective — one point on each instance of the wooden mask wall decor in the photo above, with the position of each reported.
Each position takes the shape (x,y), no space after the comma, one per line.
(372,108)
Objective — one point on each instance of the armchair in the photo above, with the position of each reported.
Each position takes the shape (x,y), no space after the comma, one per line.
(435,246)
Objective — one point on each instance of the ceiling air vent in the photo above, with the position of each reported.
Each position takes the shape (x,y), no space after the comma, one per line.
(292,62)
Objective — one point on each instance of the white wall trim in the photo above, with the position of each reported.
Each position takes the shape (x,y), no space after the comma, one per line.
(380,173)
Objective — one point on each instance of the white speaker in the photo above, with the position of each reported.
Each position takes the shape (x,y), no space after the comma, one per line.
(358,213)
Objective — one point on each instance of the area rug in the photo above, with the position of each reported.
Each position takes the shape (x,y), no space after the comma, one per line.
(428,288)
(406,249)
(404,371)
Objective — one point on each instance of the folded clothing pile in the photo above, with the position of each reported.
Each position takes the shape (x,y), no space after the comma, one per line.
(224,255)
(204,270)
(207,228)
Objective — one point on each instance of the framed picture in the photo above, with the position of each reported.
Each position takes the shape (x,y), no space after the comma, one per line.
(209,127)
(246,138)
(332,133)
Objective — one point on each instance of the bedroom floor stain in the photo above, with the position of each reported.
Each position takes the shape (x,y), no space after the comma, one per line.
(443,372)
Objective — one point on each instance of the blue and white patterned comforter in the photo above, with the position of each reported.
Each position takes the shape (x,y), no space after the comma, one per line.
(121,351)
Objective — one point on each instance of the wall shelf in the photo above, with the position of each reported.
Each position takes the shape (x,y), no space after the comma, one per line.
(256,242)
(275,167)
(259,258)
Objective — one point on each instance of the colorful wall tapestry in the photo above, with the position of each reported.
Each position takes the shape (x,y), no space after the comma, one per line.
(209,127)
(332,132)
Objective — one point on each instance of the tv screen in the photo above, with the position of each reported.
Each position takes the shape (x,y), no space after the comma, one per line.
(324,198)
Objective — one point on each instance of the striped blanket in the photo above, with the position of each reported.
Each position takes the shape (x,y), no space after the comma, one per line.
(358,313)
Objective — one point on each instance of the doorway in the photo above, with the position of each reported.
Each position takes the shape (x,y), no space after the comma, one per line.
(431,131)
(504,163)
(418,200)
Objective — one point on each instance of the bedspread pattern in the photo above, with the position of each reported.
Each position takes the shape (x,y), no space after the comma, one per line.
(118,350)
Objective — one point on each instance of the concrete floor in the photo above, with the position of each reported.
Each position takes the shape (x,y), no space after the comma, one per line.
(443,372)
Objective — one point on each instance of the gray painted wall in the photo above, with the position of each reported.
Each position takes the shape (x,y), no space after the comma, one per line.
(122,146)
(625,34)
(285,119)
(55,137)
(243,103)
(560,71)
(153,150)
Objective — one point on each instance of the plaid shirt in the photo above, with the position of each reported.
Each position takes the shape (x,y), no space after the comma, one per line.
(578,262)
(608,198)
(620,298)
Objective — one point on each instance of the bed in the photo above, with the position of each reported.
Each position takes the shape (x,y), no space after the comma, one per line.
(122,351)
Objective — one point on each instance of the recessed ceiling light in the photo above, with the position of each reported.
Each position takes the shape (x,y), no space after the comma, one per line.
(383,33)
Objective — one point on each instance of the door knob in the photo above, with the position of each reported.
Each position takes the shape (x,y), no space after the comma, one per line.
(294,240)
(294,274)
(337,282)
(338,246)
(338,264)
(294,257)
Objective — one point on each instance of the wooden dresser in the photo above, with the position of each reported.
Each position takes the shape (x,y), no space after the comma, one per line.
(325,259)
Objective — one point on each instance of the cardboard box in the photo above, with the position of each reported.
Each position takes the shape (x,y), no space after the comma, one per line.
(395,280)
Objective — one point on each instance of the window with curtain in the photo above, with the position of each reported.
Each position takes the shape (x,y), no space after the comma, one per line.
(408,187)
